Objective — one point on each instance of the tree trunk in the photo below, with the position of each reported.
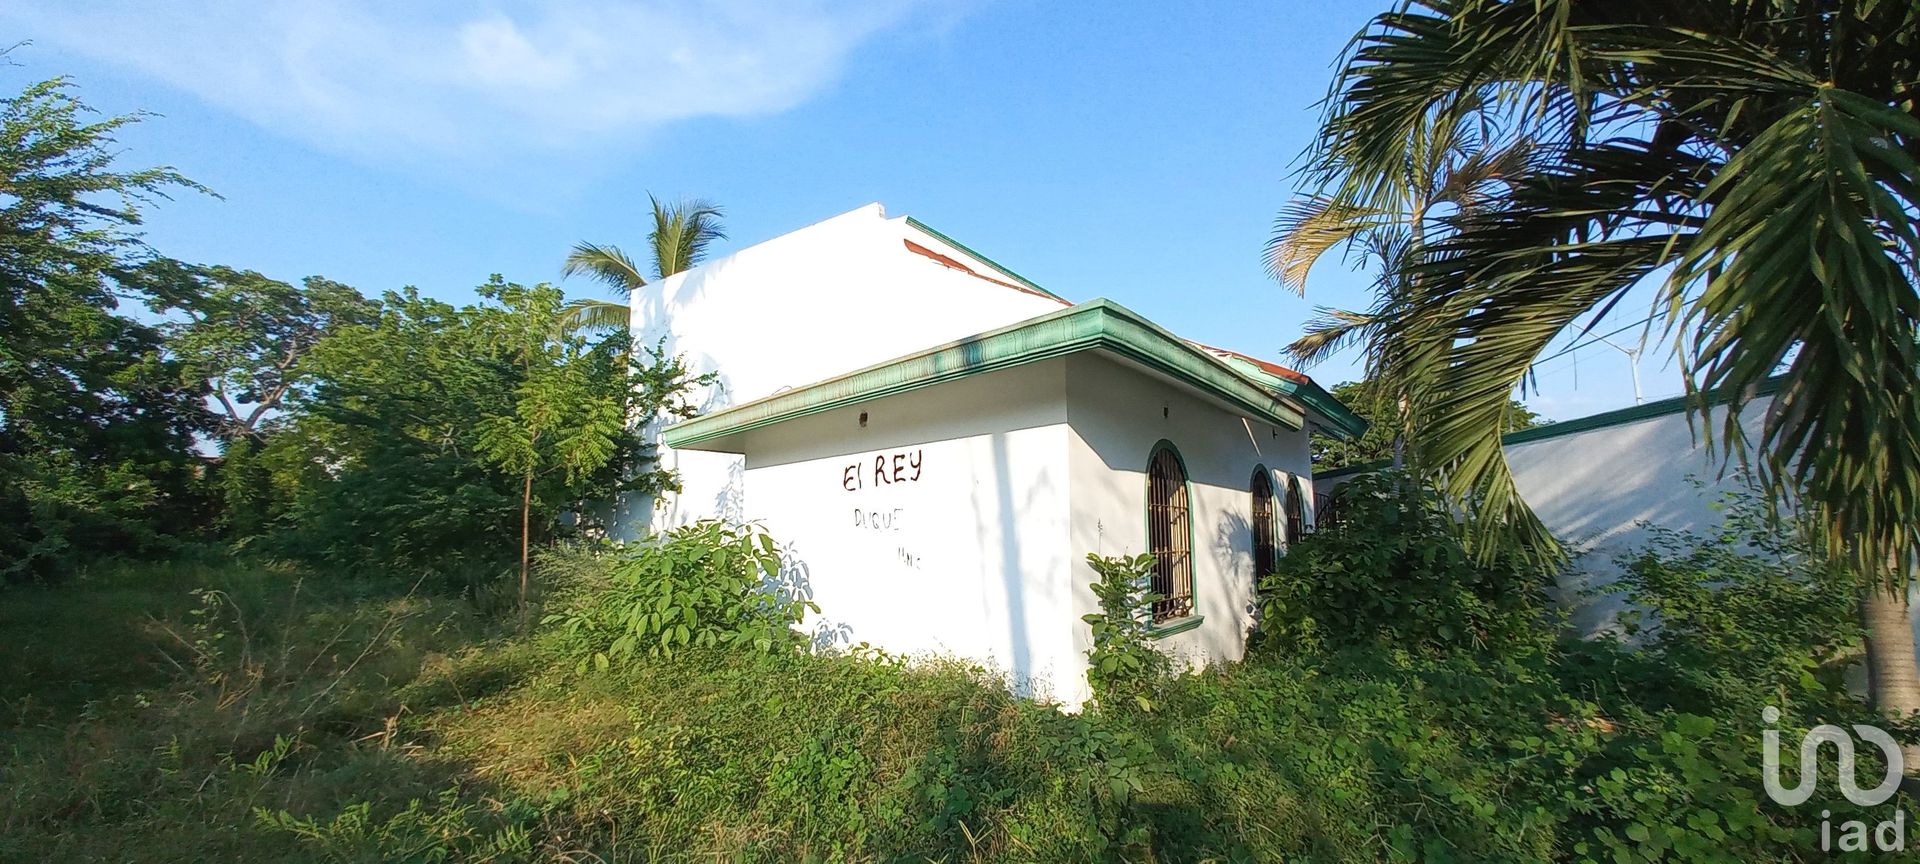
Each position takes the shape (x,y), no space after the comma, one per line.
(527,509)
(1893,678)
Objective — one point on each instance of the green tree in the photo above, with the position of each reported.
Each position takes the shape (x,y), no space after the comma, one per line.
(1372,402)
(1757,158)
(96,422)
(681,234)
(564,417)
(245,336)
(411,446)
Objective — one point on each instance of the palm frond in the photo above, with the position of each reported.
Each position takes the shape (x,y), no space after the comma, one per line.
(1817,215)
(1306,229)
(1489,297)
(606,264)
(1468,181)
(682,231)
(594,316)
(1330,332)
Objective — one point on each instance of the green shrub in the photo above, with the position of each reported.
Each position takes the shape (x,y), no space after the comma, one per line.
(702,585)
(1394,573)
(1122,665)
(1751,615)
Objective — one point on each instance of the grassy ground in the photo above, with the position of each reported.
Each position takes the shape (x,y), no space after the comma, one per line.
(211,711)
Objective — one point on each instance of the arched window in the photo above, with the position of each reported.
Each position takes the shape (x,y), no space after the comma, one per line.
(1296,518)
(1169,534)
(1263,523)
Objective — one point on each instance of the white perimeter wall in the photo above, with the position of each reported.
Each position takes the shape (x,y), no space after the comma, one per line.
(1599,489)
(1118,413)
(958,547)
(827,299)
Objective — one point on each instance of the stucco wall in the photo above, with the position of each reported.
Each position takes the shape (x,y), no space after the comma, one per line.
(957,546)
(1007,481)
(1117,414)
(1598,490)
(827,299)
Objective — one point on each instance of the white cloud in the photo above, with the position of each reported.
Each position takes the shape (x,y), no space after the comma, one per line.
(449,78)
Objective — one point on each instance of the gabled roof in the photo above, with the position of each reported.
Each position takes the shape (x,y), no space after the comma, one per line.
(1095,325)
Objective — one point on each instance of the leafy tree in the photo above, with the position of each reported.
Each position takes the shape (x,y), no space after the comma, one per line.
(96,422)
(567,414)
(245,335)
(681,234)
(376,463)
(1758,157)
(1371,401)
(413,446)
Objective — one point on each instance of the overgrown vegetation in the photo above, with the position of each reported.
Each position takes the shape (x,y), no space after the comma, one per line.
(704,585)
(1123,666)
(399,434)
(299,650)
(1393,577)
(221,711)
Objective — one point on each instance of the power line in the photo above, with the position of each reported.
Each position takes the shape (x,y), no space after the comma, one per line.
(1597,339)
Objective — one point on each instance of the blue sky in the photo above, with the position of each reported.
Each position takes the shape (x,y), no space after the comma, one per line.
(1133,151)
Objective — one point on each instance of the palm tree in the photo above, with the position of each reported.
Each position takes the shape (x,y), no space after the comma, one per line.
(1755,158)
(1448,167)
(682,231)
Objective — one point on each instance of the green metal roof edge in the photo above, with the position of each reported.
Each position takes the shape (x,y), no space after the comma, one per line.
(983,259)
(1632,414)
(1336,412)
(1602,420)
(1344,422)
(1095,324)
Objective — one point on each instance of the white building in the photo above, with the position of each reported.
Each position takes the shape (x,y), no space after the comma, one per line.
(941,443)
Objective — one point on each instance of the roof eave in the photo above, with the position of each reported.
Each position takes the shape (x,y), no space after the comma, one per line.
(1097,324)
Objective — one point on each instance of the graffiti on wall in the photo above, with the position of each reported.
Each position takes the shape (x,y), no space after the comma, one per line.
(882,471)
(886,470)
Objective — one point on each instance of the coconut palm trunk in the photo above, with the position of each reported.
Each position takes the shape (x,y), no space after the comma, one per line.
(1892,676)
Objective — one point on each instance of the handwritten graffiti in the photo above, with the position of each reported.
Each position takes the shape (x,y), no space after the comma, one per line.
(878,520)
(887,469)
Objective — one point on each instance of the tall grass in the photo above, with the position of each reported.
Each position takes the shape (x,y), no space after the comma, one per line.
(217,710)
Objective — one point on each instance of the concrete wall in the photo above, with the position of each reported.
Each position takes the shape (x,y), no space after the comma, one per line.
(958,519)
(1599,489)
(827,299)
(1117,414)
(940,526)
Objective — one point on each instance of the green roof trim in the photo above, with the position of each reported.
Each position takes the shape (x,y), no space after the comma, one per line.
(1342,420)
(1602,420)
(930,230)
(1096,324)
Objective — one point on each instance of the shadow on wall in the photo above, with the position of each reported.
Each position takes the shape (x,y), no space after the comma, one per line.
(1014,587)
(794,581)
(729,504)
(1233,548)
